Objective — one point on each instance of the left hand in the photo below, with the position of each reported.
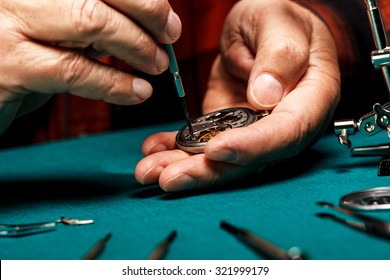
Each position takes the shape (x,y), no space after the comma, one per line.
(292,53)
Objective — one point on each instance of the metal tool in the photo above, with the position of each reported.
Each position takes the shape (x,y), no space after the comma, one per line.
(363,227)
(17,230)
(160,251)
(379,119)
(369,224)
(380,57)
(373,150)
(174,69)
(370,199)
(368,125)
(262,246)
(97,249)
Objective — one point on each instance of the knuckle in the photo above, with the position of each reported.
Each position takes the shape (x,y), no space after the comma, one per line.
(89,17)
(291,48)
(154,7)
(110,89)
(143,46)
(145,50)
(73,68)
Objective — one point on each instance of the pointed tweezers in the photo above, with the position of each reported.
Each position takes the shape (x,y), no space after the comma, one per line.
(17,230)
(368,224)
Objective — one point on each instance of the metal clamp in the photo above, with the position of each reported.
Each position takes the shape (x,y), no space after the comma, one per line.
(368,125)
(381,58)
(379,118)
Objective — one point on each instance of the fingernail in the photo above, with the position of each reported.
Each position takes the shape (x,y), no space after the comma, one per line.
(142,89)
(156,148)
(173,26)
(151,176)
(266,90)
(181,182)
(162,60)
(225,155)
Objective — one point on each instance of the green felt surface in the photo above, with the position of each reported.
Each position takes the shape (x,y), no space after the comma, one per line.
(93,178)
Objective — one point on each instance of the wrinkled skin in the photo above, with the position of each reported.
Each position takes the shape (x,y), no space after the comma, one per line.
(275,55)
(50,47)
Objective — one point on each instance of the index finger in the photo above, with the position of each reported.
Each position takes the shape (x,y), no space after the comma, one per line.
(156,16)
(91,23)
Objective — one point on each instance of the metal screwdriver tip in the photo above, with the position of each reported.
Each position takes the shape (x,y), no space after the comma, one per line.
(159,252)
(98,248)
(174,70)
(260,245)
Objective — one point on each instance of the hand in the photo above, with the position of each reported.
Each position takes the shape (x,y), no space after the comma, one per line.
(51,46)
(275,54)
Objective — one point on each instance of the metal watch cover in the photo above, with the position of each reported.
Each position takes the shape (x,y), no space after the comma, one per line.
(209,125)
(369,199)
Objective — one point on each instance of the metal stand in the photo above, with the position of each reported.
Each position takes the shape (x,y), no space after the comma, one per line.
(379,119)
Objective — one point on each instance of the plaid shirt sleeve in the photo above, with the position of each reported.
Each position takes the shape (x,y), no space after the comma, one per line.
(361,84)
(348,22)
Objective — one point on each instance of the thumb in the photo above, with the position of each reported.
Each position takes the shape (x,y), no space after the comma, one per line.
(265,91)
(281,59)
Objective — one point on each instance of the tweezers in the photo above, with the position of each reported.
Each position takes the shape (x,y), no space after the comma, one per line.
(377,150)
(18,230)
(367,224)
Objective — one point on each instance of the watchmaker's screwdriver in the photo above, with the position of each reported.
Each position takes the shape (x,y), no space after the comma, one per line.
(174,69)
(97,248)
(261,245)
(159,252)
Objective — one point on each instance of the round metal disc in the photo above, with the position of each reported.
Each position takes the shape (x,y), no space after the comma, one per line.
(209,125)
(370,199)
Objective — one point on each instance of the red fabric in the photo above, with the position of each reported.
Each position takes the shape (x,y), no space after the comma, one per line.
(385,9)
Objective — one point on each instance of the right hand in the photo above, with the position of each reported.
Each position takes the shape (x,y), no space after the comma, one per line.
(51,47)
(275,54)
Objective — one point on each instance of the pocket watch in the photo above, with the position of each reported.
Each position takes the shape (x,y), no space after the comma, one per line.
(209,125)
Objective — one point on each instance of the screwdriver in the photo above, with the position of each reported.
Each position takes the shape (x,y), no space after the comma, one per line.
(97,248)
(174,69)
(160,251)
(261,245)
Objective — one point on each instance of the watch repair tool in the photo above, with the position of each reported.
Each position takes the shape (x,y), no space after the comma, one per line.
(262,246)
(375,150)
(97,249)
(379,119)
(174,69)
(368,224)
(161,250)
(380,57)
(209,125)
(370,199)
(17,230)
(368,125)
(363,227)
